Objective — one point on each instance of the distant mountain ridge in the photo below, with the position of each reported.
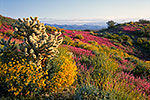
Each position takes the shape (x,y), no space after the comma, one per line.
(78,27)
(82,24)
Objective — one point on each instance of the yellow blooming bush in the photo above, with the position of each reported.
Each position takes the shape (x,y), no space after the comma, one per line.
(18,78)
(26,73)
(66,74)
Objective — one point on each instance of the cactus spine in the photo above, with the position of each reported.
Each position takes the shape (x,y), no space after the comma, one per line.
(37,43)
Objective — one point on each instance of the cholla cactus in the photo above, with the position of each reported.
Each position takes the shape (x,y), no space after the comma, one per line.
(37,43)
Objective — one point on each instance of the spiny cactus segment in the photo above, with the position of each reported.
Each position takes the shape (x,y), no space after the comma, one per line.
(37,43)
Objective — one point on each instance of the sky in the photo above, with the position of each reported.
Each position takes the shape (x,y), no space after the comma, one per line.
(76,9)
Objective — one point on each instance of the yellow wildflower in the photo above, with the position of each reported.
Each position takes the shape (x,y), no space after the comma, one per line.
(23,60)
(16,93)
(13,62)
(46,77)
(27,93)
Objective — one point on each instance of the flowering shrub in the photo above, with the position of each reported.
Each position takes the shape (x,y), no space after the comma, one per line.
(5,27)
(88,37)
(18,78)
(79,36)
(66,73)
(67,40)
(79,51)
(141,40)
(144,42)
(130,28)
(87,66)
(87,92)
(20,74)
(126,86)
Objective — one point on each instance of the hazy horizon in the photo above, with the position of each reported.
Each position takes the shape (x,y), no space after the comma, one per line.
(76,9)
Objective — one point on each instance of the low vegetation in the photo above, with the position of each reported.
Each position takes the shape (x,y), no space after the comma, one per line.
(51,63)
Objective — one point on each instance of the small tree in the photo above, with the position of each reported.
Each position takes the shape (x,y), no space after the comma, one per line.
(111,24)
(143,21)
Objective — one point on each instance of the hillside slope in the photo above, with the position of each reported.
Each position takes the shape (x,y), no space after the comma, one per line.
(109,64)
(135,35)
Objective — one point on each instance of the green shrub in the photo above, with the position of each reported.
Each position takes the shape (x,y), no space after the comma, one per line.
(67,40)
(145,30)
(141,40)
(146,45)
(127,40)
(79,36)
(87,92)
(142,68)
(111,23)
(93,42)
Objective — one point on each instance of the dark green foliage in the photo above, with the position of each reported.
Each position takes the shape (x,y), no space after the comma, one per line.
(145,30)
(8,49)
(79,36)
(124,39)
(135,61)
(140,69)
(87,92)
(67,40)
(127,40)
(147,45)
(111,24)
(143,21)
(87,61)
(144,42)
(52,65)
(141,40)
(93,43)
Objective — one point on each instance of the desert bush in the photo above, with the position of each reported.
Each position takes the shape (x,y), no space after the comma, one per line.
(78,43)
(141,40)
(21,76)
(123,38)
(127,40)
(93,42)
(62,71)
(87,92)
(67,40)
(144,42)
(111,23)
(146,45)
(142,69)
(91,33)
(21,79)
(123,89)
(145,30)
(79,36)
(108,35)
(104,68)
(143,21)
(8,49)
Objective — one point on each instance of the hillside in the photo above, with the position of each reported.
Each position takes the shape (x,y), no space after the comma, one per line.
(135,35)
(112,63)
